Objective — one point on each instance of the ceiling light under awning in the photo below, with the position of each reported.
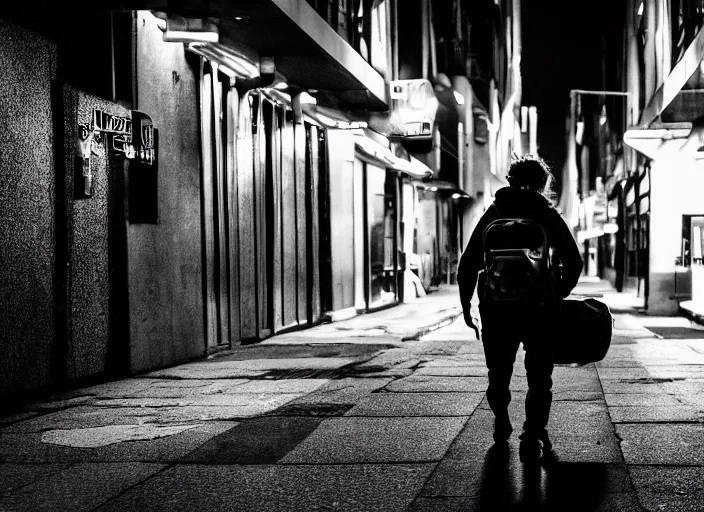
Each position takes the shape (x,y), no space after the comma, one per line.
(178,29)
(238,65)
(446,188)
(375,153)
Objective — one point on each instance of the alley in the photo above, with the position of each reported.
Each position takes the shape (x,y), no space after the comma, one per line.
(233,233)
(363,415)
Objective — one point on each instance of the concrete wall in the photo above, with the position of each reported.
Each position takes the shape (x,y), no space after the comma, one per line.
(27,203)
(94,248)
(165,260)
(676,190)
(288,226)
(64,308)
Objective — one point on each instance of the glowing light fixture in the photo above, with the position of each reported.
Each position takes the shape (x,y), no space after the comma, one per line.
(190,30)
(610,228)
(579,134)
(307,99)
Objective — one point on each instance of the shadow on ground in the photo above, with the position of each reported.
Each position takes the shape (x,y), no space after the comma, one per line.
(552,485)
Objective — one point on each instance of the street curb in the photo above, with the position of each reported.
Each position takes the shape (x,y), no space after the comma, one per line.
(444,321)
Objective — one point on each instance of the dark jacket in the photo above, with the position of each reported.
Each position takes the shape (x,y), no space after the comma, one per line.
(526,204)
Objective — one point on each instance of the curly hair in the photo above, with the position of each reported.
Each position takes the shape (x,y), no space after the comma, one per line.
(531,172)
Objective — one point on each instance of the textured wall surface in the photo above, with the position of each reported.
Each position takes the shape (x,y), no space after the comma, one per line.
(95,236)
(27,203)
(165,260)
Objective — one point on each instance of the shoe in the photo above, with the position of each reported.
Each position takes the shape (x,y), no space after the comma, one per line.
(502,429)
(545,440)
(530,450)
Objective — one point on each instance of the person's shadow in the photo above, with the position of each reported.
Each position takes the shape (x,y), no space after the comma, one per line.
(498,490)
(551,485)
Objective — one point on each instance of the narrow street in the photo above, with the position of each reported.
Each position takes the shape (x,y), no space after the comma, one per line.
(385,411)
(232,232)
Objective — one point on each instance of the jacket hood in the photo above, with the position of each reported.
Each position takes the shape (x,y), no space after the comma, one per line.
(518,202)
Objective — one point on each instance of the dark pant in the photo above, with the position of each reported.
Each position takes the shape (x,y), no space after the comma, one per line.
(503,328)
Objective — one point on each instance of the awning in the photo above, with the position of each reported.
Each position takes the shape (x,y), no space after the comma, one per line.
(665,127)
(660,141)
(371,151)
(329,118)
(676,80)
(231,62)
(282,30)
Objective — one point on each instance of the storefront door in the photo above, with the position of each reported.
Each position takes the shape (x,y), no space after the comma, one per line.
(382,236)
(689,267)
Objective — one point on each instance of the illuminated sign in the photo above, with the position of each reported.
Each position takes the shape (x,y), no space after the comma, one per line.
(415,104)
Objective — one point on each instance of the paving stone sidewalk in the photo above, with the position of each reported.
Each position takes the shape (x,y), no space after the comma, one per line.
(368,421)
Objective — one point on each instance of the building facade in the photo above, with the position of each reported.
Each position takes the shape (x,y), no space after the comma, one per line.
(186,183)
(634,167)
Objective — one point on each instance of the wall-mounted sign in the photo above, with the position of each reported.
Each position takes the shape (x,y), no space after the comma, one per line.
(132,137)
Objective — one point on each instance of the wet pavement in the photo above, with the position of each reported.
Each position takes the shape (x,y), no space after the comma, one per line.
(382,412)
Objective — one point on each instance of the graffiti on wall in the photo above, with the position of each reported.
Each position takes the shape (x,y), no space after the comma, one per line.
(131,137)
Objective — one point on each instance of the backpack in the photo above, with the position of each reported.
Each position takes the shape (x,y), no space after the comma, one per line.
(517,260)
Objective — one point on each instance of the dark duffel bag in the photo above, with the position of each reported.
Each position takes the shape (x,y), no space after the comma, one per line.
(582,334)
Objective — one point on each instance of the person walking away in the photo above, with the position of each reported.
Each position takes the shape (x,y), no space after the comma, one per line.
(506,323)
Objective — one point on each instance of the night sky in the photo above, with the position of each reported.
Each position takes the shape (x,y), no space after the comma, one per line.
(563,44)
